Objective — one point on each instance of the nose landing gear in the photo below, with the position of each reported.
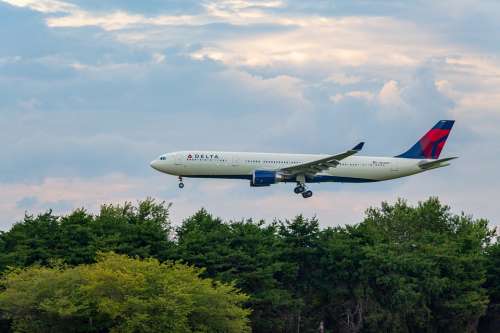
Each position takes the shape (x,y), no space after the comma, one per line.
(181,184)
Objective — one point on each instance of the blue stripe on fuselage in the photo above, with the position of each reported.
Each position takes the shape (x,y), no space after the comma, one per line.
(316,179)
(337,179)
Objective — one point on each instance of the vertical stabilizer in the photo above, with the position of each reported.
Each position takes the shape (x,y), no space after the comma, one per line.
(431,144)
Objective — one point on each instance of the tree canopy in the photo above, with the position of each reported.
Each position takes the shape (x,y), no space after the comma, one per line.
(403,268)
(120,294)
(143,230)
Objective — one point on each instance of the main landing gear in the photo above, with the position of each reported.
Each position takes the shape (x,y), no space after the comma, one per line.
(301,189)
(181,184)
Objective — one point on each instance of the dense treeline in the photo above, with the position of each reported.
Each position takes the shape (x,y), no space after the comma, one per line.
(402,269)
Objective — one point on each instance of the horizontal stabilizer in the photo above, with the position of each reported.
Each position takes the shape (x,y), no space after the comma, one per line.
(435,164)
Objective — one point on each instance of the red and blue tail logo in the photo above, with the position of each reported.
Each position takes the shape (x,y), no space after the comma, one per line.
(431,144)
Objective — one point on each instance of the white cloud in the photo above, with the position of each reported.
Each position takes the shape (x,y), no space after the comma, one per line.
(327,42)
(238,9)
(75,17)
(158,58)
(390,94)
(472,82)
(392,105)
(371,58)
(385,48)
(343,79)
(77,192)
(366,95)
(44,6)
(336,98)
(9,60)
(363,95)
(347,41)
(242,4)
(30,104)
(288,90)
(230,11)
(79,18)
(122,20)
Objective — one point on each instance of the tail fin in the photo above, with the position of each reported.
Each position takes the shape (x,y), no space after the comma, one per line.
(431,144)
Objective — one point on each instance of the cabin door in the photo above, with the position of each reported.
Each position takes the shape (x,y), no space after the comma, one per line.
(235,161)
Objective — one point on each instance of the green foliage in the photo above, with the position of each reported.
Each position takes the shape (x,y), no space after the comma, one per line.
(422,268)
(491,322)
(402,269)
(244,252)
(142,231)
(120,294)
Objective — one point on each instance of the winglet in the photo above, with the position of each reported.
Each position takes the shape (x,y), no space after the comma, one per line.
(359,146)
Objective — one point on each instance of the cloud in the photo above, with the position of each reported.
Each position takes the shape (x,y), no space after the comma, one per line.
(44,6)
(231,11)
(70,15)
(327,42)
(123,115)
(93,90)
(333,203)
(394,101)
(62,194)
(158,58)
(362,95)
(391,102)
(343,79)
(28,202)
(390,94)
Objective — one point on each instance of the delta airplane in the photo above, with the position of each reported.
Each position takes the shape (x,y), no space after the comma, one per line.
(265,169)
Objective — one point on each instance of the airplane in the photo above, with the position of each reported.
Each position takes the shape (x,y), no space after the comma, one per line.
(265,169)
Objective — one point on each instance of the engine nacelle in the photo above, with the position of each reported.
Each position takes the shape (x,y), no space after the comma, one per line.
(265,178)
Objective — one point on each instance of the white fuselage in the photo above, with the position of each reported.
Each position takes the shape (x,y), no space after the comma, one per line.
(241,165)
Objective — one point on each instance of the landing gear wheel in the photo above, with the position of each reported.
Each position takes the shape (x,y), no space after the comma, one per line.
(181,185)
(299,189)
(307,194)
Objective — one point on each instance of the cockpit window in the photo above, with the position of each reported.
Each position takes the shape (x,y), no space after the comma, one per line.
(163,158)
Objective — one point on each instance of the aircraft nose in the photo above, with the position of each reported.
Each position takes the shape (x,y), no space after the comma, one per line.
(155,165)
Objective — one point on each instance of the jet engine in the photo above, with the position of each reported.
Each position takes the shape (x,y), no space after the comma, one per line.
(265,178)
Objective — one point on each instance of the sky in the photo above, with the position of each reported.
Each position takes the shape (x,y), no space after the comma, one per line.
(92,91)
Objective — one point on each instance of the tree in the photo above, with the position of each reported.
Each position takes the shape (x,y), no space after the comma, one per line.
(120,294)
(299,253)
(35,239)
(402,269)
(405,269)
(246,252)
(491,321)
(143,230)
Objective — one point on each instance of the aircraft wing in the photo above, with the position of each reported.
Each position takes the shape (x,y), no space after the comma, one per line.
(316,166)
